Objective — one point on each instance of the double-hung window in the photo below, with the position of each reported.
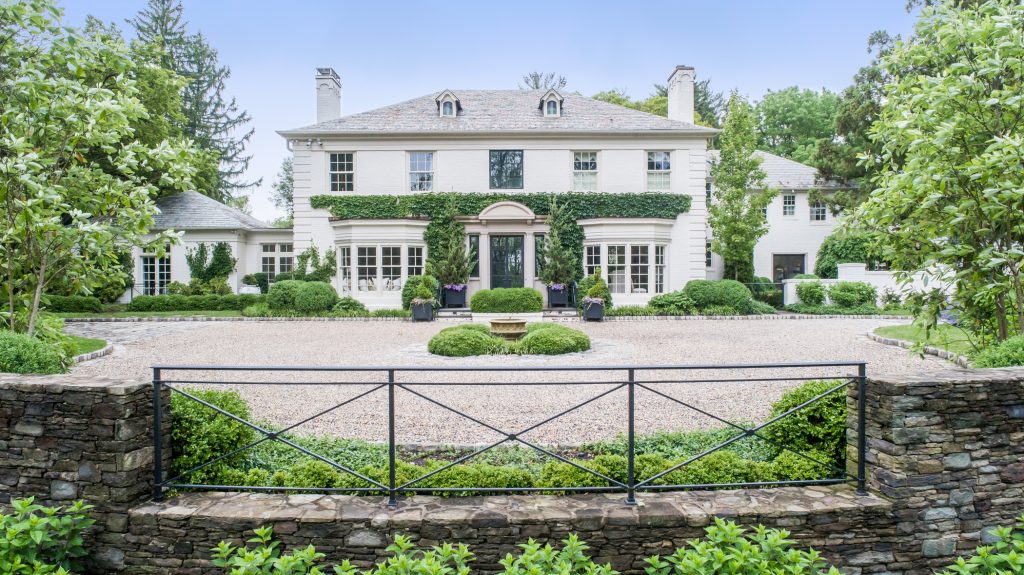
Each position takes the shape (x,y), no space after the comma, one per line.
(366,268)
(269,261)
(659,171)
(789,205)
(584,171)
(345,267)
(506,169)
(391,267)
(421,171)
(617,269)
(659,269)
(592,259)
(639,269)
(342,172)
(285,261)
(818,212)
(414,265)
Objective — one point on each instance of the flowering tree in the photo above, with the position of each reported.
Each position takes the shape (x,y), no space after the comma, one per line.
(74,185)
(948,199)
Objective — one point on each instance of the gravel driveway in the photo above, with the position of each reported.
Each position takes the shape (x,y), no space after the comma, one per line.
(500,403)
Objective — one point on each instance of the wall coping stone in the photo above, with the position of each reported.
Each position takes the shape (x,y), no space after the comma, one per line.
(61,382)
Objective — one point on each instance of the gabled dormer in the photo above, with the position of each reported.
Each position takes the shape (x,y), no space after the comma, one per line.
(551,104)
(448,104)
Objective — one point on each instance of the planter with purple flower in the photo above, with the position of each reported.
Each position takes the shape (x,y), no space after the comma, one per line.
(455,295)
(558,295)
(593,309)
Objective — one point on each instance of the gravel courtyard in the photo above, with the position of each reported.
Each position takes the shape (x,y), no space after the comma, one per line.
(500,402)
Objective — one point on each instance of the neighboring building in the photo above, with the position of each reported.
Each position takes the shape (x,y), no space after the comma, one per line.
(257,245)
(796,226)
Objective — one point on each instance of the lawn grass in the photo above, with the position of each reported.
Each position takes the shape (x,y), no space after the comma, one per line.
(943,336)
(220,313)
(86,344)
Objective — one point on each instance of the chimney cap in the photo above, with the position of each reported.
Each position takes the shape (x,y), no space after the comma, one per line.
(329,72)
(681,67)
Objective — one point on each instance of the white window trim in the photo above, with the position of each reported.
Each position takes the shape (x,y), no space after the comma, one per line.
(330,171)
(648,172)
(784,214)
(409,171)
(596,173)
(558,108)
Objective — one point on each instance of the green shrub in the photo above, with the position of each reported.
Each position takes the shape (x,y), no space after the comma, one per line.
(266,557)
(853,294)
(390,313)
(463,341)
(350,305)
(73,304)
(282,294)
(805,277)
(553,340)
(200,434)
(832,309)
(258,279)
(587,284)
(20,353)
(537,559)
(755,307)
(38,539)
(674,303)
(478,327)
(258,310)
(707,293)
(210,302)
(718,468)
(789,466)
(840,249)
(720,310)
(819,427)
(727,549)
(412,283)
(1008,353)
(811,293)
(315,297)
(635,311)
(507,300)
(286,276)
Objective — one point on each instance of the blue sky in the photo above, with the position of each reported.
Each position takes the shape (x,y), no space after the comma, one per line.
(390,51)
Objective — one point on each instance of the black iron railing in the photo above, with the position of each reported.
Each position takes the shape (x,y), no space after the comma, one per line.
(634,379)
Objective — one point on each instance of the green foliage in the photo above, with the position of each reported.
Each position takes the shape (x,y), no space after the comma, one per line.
(820,426)
(450,259)
(349,304)
(594,286)
(832,309)
(38,540)
(839,248)
(476,339)
(736,214)
(314,297)
(537,559)
(73,304)
(283,187)
(726,548)
(282,294)
(201,434)
(852,294)
(205,264)
(1004,557)
(462,341)
(266,557)
(21,353)
(507,300)
(674,303)
(193,302)
(755,307)
(805,277)
(310,267)
(559,266)
(636,311)
(811,293)
(257,279)
(196,286)
(792,122)
(1007,353)
(412,285)
(707,293)
(552,340)
(946,200)
(423,295)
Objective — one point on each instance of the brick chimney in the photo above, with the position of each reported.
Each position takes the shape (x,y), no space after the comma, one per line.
(328,95)
(680,94)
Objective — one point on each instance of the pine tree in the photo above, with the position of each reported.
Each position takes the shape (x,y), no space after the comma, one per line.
(559,265)
(161,24)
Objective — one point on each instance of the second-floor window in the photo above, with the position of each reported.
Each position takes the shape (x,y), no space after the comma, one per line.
(421,171)
(659,171)
(818,212)
(342,172)
(788,205)
(506,170)
(584,171)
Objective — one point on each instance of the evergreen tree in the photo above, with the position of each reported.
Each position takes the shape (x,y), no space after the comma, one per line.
(559,266)
(161,24)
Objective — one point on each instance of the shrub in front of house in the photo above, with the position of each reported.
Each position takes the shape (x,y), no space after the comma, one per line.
(463,341)
(349,305)
(258,279)
(755,307)
(21,353)
(587,283)
(707,293)
(412,283)
(161,303)
(552,339)
(281,294)
(852,294)
(820,426)
(1007,353)
(73,304)
(673,303)
(200,434)
(811,293)
(315,297)
(507,300)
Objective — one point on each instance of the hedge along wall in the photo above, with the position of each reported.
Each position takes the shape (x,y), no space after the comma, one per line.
(436,206)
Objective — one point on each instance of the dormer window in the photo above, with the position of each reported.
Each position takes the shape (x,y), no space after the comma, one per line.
(448,105)
(551,104)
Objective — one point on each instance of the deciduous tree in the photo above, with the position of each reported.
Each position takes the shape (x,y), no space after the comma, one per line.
(792,122)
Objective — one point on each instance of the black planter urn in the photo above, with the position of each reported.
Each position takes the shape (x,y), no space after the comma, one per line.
(455,298)
(558,298)
(423,311)
(593,311)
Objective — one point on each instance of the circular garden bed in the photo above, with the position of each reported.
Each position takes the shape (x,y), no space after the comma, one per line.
(477,339)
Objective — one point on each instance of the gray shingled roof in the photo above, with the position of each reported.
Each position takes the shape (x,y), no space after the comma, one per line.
(194,211)
(498,111)
(784,173)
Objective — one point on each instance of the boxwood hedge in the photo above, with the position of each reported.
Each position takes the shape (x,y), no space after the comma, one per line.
(507,300)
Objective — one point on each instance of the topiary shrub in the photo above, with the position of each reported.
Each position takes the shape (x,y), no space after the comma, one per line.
(507,300)
(73,304)
(1007,353)
(706,293)
(282,294)
(674,303)
(587,284)
(463,341)
(315,297)
(553,340)
(21,353)
(819,427)
(349,305)
(412,283)
(853,294)
(201,434)
(811,293)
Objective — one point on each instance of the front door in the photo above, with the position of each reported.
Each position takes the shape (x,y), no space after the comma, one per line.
(786,266)
(506,261)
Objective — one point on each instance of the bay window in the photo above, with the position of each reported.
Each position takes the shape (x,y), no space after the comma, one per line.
(617,269)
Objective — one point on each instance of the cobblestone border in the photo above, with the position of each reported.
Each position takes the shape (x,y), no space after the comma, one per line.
(109,349)
(956,358)
(788,316)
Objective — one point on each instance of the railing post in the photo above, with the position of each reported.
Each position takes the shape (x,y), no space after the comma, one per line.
(392,499)
(158,438)
(631,447)
(861,428)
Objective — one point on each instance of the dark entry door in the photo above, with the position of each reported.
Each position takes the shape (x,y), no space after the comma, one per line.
(787,266)
(506,261)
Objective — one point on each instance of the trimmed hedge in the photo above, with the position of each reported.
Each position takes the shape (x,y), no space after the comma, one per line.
(463,341)
(852,294)
(21,353)
(551,339)
(674,303)
(507,300)
(193,302)
(282,294)
(315,297)
(73,304)
(708,293)
(832,309)
(811,293)
(476,339)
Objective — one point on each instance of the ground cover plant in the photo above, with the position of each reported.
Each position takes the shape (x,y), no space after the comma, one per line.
(35,539)
(476,339)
